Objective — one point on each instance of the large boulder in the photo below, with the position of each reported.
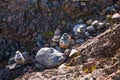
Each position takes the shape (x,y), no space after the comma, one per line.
(49,57)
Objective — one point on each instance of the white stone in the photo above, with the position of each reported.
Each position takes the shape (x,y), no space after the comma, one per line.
(73,52)
(95,23)
(116,16)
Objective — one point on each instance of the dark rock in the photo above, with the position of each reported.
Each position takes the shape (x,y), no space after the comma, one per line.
(91,29)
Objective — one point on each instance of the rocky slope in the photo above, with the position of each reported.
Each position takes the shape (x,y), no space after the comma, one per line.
(107,62)
(28,25)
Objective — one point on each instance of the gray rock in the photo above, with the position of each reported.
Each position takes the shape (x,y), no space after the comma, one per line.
(116,16)
(49,57)
(57,36)
(100,25)
(87,34)
(58,48)
(91,29)
(65,40)
(95,23)
(79,28)
(40,41)
(80,41)
(19,59)
(89,22)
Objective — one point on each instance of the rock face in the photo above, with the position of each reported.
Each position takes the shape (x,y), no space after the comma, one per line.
(49,57)
(104,44)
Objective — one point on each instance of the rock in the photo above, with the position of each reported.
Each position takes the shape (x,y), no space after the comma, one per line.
(91,29)
(11,66)
(26,56)
(11,61)
(57,36)
(19,59)
(40,43)
(107,25)
(58,48)
(74,53)
(65,41)
(49,57)
(89,22)
(100,25)
(62,66)
(79,28)
(67,52)
(116,16)
(78,41)
(87,34)
(110,10)
(95,23)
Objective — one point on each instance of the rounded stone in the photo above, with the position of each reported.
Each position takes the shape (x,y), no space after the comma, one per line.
(19,59)
(100,25)
(80,41)
(65,41)
(87,34)
(89,22)
(116,16)
(95,23)
(56,36)
(91,29)
(79,28)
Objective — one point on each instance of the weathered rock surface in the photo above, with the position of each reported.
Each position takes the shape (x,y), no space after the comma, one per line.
(104,45)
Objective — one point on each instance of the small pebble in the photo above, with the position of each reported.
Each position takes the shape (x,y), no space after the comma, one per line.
(95,23)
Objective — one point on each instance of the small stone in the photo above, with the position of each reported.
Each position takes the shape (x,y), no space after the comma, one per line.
(89,22)
(116,16)
(80,41)
(62,66)
(91,29)
(100,25)
(87,34)
(39,41)
(107,25)
(12,66)
(95,23)
(57,36)
(74,53)
(19,59)
(67,52)
(58,48)
(110,10)
(11,61)
(65,40)
(79,28)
